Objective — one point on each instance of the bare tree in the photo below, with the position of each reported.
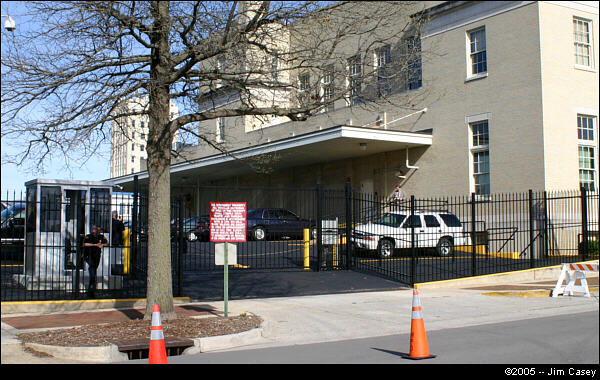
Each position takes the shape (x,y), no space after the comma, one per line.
(65,81)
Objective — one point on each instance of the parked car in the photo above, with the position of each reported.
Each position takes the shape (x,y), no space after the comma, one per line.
(266,223)
(440,230)
(202,230)
(194,228)
(12,224)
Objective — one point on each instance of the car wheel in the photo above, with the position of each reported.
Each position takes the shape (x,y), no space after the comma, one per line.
(259,233)
(385,248)
(192,236)
(445,247)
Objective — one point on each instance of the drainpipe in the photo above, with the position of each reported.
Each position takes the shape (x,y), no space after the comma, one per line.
(407,165)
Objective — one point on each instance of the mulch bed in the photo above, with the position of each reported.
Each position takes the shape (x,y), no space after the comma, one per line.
(135,330)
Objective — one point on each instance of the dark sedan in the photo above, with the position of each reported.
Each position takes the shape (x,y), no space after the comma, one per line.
(266,223)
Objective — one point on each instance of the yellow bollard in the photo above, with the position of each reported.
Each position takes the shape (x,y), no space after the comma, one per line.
(306,249)
(127,241)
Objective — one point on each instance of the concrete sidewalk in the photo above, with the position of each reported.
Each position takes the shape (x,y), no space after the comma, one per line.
(325,318)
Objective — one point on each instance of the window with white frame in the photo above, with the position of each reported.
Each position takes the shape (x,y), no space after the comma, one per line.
(587,151)
(327,91)
(583,41)
(220,135)
(304,88)
(383,60)
(478,52)
(480,150)
(355,79)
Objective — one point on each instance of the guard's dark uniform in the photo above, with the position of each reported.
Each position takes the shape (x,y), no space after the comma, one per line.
(92,256)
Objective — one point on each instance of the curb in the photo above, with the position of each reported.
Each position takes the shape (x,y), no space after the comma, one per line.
(111,353)
(531,293)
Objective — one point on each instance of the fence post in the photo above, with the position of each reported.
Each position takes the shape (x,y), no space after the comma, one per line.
(134,219)
(473,236)
(319,194)
(349,225)
(531,231)
(546,246)
(584,223)
(180,247)
(413,266)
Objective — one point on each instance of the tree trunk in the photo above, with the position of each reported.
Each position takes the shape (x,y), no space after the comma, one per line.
(160,290)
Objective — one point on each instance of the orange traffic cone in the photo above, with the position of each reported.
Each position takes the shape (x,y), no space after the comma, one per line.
(419,349)
(158,351)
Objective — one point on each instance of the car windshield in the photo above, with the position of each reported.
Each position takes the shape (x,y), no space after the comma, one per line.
(12,211)
(391,220)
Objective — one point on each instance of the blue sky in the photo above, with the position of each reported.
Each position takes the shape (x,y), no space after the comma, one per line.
(14,177)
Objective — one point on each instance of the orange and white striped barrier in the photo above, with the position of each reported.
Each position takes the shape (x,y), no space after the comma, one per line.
(579,270)
(158,351)
(419,348)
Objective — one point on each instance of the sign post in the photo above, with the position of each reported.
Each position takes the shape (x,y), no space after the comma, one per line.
(227,224)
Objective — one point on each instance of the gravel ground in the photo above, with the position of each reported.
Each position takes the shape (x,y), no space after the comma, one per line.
(111,333)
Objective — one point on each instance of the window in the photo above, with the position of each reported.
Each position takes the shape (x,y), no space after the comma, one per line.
(384,59)
(478,55)
(142,148)
(327,88)
(220,130)
(414,75)
(354,80)
(587,150)
(481,172)
(413,221)
(431,221)
(583,44)
(451,220)
(50,208)
(481,157)
(304,82)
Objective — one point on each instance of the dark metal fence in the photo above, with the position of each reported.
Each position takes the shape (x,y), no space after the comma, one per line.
(43,254)
(421,240)
(409,240)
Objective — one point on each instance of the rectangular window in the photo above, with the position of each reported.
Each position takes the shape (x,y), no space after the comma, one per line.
(327,88)
(414,77)
(478,55)
(50,208)
(384,60)
(480,134)
(220,130)
(587,151)
(304,82)
(583,42)
(481,157)
(355,79)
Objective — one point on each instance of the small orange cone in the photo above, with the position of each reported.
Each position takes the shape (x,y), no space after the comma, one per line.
(158,351)
(419,349)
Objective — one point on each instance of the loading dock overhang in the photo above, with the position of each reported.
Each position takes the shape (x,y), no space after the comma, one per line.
(326,145)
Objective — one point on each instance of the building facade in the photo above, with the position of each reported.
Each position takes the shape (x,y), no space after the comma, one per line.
(503,97)
(129,135)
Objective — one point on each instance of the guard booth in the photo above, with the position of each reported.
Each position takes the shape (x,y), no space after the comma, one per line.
(59,215)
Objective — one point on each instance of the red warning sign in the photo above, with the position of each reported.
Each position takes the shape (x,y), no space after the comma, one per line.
(227,222)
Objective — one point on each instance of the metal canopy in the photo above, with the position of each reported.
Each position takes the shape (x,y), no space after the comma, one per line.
(332,144)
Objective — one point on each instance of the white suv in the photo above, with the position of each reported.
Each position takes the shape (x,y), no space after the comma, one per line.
(433,229)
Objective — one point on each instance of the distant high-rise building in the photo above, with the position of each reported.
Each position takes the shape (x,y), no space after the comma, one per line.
(129,136)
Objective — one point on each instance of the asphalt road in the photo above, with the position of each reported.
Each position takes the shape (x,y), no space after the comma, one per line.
(543,342)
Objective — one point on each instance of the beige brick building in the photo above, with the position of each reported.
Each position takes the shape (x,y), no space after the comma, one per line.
(504,98)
